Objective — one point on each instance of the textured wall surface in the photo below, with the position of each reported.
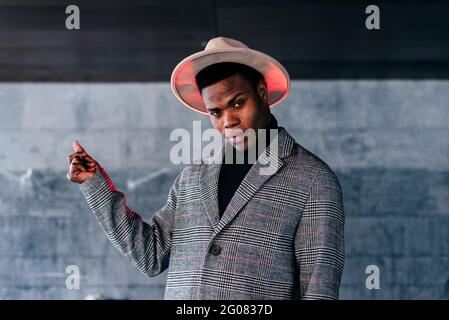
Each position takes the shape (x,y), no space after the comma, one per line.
(388,141)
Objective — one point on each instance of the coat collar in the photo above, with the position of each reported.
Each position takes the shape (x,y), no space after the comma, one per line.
(254,179)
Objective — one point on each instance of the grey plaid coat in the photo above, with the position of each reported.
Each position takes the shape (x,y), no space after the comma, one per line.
(281,236)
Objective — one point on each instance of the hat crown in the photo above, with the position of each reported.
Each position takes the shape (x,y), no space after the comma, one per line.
(224,43)
(222,49)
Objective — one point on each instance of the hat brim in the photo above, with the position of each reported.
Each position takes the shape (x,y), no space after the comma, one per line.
(184,85)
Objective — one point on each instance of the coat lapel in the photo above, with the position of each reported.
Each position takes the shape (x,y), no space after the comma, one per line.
(209,175)
(252,182)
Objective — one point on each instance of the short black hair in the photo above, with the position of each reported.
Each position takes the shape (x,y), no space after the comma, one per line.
(223,70)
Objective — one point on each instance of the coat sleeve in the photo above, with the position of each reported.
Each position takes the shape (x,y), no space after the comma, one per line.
(147,245)
(319,239)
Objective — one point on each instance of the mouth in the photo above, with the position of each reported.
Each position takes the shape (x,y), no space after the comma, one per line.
(235,138)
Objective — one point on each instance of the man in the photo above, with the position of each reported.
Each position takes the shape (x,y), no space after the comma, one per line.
(227,231)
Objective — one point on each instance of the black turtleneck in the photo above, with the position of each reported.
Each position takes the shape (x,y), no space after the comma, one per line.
(232,174)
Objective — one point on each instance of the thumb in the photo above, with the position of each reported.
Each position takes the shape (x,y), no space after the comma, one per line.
(76,146)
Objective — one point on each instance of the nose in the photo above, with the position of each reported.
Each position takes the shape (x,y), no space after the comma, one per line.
(230,120)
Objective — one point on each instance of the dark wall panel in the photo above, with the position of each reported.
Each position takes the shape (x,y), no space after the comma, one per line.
(144,40)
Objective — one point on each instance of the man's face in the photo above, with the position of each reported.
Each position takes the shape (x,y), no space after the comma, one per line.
(234,104)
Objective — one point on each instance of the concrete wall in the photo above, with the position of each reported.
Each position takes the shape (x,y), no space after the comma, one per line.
(388,141)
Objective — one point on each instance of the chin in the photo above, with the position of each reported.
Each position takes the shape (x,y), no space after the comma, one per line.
(240,147)
(243,146)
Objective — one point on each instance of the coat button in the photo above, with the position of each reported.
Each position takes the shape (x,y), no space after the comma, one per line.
(215,249)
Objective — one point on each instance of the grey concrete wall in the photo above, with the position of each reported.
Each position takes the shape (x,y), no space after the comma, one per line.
(388,141)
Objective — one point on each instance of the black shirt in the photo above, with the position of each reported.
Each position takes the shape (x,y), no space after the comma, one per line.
(232,174)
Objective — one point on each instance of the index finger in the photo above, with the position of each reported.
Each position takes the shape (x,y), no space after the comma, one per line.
(77,147)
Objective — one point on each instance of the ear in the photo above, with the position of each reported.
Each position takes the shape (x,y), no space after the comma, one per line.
(262,91)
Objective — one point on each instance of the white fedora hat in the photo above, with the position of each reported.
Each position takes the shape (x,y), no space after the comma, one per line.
(223,49)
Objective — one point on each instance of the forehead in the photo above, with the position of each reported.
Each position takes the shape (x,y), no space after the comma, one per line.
(225,89)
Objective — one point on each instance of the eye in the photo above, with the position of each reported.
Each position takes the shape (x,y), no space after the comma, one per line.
(215,113)
(239,103)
